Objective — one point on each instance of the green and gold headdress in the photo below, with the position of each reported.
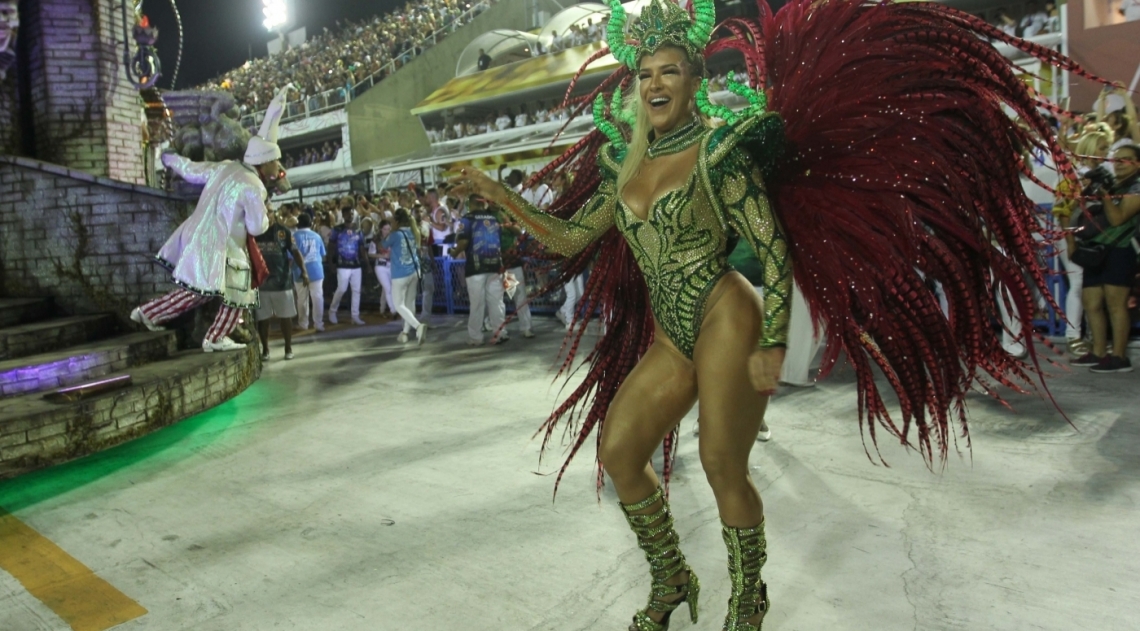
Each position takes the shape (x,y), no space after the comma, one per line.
(662,23)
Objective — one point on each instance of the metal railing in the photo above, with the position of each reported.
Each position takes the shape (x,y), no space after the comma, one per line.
(338,98)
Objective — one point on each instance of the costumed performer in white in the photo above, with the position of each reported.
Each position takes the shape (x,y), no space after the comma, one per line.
(207,254)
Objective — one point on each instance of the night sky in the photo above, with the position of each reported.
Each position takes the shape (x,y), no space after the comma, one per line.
(219,33)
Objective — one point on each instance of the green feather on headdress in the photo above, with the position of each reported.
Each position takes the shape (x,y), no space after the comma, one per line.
(662,23)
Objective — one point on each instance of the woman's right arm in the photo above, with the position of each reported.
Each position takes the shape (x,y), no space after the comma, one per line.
(566,236)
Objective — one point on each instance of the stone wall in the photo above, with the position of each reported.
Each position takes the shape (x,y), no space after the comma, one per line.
(86,114)
(35,433)
(9,114)
(86,241)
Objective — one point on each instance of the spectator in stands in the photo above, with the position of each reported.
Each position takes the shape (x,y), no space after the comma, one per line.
(313,253)
(484,60)
(1130,9)
(521,119)
(479,240)
(331,66)
(513,243)
(275,295)
(1124,124)
(1006,23)
(427,258)
(349,254)
(1108,285)
(503,122)
(1034,21)
(1093,146)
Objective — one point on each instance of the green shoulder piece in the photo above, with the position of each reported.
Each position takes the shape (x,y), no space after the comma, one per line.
(609,160)
(762,136)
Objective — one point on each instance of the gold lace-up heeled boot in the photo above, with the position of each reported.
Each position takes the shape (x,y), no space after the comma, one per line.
(657,538)
(747,552)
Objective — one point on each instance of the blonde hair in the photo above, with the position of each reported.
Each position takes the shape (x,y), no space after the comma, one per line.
(639,141)
(1089,141)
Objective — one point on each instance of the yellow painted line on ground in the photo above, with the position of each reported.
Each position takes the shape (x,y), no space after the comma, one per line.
(66,586)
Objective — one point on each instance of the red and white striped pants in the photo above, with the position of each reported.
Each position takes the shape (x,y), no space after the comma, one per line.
(179,301)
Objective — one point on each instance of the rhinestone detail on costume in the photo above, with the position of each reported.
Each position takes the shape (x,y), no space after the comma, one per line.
(681,247)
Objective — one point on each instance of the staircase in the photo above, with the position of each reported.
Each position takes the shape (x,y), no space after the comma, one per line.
(74,385)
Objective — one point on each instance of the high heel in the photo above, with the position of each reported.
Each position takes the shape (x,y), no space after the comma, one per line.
(747,552)
(660,542)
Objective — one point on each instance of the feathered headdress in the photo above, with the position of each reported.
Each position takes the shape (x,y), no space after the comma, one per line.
(662,23)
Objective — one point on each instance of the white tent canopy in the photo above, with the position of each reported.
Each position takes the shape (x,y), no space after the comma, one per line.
(503,45)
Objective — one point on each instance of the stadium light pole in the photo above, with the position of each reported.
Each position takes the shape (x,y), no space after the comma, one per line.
(276,14)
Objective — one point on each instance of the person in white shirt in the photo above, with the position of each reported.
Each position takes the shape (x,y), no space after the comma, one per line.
(1034,21)
(503,122)
(512,259)
(592,30)
(381,265)
(521,120)
(1130,9)
(1006,23)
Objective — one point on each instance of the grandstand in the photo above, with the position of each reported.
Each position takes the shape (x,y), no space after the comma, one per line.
(421,107)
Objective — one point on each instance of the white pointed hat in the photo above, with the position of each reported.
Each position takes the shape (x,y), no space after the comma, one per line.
(263,147)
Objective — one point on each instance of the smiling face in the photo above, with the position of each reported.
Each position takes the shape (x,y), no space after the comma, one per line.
(668,88)
(1127,163)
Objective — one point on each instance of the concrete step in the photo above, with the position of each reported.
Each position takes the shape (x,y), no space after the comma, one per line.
(35,432)
(85,362)
(23,340)
(22,310)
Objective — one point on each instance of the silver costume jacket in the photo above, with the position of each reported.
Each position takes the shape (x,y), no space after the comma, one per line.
(207,253)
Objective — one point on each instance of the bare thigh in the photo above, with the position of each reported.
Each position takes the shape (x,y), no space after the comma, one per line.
(731,410)
(654,398)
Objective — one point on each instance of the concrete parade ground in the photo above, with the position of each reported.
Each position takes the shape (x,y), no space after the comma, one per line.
(368,485)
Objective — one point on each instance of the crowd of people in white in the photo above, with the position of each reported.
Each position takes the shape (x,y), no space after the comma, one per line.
(539,114)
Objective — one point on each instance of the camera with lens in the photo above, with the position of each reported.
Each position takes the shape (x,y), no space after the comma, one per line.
(1100,181)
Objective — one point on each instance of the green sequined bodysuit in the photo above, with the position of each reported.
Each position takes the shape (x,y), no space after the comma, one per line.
(681,245)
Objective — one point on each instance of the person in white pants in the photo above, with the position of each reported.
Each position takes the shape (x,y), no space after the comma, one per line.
(480,241)
(350,257)
(803,343)
(522,309)
(313,251)
(381,259)
(574,289)
(1074,306)
(486,294)
(403,243)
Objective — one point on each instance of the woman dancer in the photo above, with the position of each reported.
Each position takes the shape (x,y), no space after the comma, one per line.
(900,165)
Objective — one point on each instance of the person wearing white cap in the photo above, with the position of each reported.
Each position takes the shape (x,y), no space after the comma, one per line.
(207,254)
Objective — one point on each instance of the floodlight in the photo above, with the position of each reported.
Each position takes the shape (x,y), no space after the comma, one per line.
(276,14)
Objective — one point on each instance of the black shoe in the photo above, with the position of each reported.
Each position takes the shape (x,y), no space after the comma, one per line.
(1087,360)
(1112,363)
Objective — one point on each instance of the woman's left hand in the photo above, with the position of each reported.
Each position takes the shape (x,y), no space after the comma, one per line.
(764,369)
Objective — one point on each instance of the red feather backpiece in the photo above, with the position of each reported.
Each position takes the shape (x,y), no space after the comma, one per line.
(901,167)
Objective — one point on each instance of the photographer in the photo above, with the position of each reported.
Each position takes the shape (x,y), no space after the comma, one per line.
(1107,252)
(1092,149)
